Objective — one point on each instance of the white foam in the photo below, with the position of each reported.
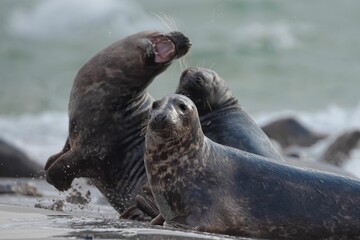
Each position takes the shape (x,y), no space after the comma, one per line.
(41,135)
(332,119)
(38,135)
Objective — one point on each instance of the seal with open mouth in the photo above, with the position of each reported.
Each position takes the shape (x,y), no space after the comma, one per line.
(108,106)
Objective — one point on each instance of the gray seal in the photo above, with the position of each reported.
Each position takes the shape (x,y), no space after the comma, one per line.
(222,118)
(202,185)
(108,106)
(224,121)
(15,163)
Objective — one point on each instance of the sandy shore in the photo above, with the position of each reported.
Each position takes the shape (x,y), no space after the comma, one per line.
(18,222)
(79,215)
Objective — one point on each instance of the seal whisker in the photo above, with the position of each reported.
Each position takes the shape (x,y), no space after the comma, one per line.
(171,22)
(144,127)
(181,65)
(207,101)
(184,63)
(163,21)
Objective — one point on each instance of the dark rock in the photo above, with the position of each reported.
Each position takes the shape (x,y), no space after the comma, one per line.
(289,131)
(339,151)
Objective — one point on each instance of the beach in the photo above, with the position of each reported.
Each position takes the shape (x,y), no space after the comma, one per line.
(280,59)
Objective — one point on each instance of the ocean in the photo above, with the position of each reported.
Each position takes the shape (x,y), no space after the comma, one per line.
(280,58)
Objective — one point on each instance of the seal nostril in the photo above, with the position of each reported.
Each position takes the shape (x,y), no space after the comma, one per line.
(160,117)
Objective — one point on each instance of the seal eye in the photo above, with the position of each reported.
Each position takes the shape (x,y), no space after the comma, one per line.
(183,107)
(155,105)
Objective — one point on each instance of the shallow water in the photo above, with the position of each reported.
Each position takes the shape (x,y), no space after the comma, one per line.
(25,217)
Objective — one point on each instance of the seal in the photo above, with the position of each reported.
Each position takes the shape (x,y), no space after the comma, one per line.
(202,185)
(224,121)
(15,163)
(107,109)
(222,118)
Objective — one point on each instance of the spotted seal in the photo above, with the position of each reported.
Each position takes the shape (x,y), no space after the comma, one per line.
(202,185)
(108,106)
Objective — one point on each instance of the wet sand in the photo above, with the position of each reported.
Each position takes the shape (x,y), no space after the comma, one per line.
(81,213)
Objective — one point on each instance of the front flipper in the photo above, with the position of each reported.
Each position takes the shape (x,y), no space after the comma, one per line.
(133,213)
(54,157)
(67,167)
(146,202)
(158,220)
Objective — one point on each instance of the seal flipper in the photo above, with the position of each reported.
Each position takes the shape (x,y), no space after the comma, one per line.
(147,203)
(133,213)
(54,157)
(181,222)
(158,220)
(67,167)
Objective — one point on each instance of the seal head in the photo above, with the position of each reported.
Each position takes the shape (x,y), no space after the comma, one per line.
(206,89)
(222,118)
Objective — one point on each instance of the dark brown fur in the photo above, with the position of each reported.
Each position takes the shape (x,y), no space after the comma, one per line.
(108,106)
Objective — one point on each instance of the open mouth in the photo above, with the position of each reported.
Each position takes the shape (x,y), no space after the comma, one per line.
(164,49)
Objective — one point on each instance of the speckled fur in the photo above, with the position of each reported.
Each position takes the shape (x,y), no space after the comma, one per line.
(202,185)
(107,109)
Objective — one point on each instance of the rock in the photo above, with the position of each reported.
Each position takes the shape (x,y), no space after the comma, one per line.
(339,151)
(289,131)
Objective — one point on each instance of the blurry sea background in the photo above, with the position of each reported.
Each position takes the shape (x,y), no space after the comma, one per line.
(280,58)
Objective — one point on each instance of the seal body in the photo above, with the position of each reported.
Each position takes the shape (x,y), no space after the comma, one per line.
(224,121)
(107,108)
(15,163)
(202,185)
(222,118)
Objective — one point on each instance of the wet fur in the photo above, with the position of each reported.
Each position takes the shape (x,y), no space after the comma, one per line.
(202,185)
(222,118)
(108,105)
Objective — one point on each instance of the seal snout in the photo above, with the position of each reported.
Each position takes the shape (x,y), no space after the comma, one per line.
(160,117)
(182,43)
(185,74)
(161,122)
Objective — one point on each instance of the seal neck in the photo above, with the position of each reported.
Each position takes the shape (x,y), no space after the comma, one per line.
(231,105)
(231,102)
(164,150)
